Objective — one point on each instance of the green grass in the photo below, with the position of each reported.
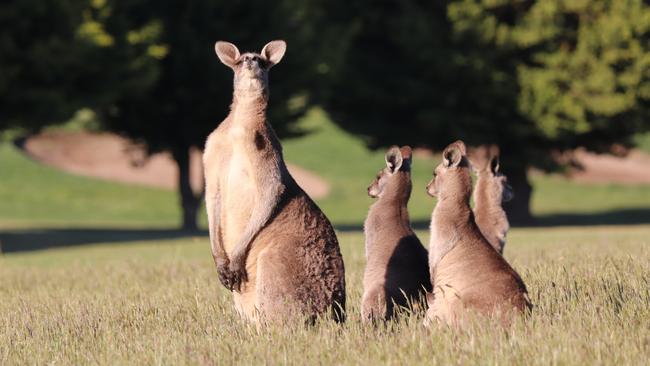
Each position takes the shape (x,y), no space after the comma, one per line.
(32,193)
(161,303)
(642,141)
(140,294)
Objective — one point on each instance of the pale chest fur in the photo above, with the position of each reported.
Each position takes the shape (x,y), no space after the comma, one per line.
(238,179)
(443,239)
(239,186)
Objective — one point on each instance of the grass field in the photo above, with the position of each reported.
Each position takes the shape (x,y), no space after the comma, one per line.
(134,291)
(160,303)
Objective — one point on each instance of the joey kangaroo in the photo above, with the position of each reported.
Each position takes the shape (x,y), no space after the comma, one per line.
(397,270)
(491,191)
(271,244)
(466,272)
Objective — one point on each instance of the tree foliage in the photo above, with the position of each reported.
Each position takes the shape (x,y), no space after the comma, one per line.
(531,76)
(55,59)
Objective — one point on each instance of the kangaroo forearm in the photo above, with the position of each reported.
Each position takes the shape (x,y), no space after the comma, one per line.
(261,215)
(214,222)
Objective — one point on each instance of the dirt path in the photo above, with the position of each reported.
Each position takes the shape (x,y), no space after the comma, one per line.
(108,156)
(634,168)
(631,169)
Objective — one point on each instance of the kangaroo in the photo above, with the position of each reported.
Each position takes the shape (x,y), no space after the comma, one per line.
(272,245)
(397,270)
(466,272)
(491,191)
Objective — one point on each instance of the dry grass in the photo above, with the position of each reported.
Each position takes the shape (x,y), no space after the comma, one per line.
(160,303)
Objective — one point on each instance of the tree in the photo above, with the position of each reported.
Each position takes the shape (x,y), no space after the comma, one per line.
(192,91)
(532,77)
(37,57)
(54,61)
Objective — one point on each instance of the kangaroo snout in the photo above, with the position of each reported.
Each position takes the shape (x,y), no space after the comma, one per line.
(430,189)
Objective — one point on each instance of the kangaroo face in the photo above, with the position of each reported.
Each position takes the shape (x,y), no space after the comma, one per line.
(251,69)
(377,187)
(251,72)
(445,175)
(396,159)
(434,183)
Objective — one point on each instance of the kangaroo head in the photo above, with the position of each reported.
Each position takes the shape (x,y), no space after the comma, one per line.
(451,177)
(251,69)
(498,187)
(397,159)
(485,162)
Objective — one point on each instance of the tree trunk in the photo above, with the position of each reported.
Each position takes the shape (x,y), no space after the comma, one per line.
(189,200)
(518,209)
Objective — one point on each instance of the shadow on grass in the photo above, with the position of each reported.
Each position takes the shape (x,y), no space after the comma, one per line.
(632,216)
(24,240)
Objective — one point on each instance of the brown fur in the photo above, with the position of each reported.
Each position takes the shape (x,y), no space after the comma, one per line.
(491,191)
(397,270)
(466,272)
(270,242)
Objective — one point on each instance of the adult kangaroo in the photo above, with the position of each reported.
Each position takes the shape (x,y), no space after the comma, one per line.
(272,245)
(466,272)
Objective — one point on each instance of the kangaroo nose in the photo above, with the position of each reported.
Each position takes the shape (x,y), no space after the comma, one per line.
(248,61)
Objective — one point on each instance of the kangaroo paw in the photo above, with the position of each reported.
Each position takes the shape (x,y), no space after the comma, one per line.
(226,276)
(237,271)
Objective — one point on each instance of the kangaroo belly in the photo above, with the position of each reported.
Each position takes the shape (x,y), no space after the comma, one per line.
(240,192)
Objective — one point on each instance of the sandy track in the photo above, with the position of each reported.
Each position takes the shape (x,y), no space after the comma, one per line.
(634,168)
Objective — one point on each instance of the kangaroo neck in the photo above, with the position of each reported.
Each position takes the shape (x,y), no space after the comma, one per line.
(393,203)
(249,109)
(452,209)
(482,198)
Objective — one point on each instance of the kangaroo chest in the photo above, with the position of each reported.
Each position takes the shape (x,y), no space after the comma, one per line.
(240,184)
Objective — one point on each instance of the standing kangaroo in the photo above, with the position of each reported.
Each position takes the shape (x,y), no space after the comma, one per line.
(272,245)
(397,270)
(491,191)
(466,272)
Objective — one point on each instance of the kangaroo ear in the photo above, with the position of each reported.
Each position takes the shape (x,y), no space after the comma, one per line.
(453,154)
(394,159)
(494,164)
(274,51)
(227,53)
(407,152)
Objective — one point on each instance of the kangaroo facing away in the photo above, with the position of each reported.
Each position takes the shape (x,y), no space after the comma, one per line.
(466,272)
(272,245)
(397,270)
(491,191)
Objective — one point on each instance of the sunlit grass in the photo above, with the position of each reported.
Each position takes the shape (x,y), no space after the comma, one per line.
(161,303)
(144,301)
